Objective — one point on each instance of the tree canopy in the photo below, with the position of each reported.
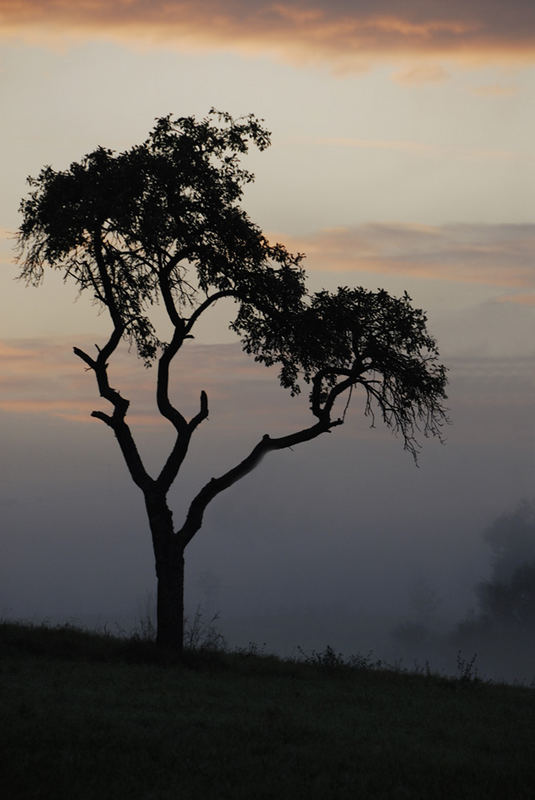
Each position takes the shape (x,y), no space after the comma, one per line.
(161,223)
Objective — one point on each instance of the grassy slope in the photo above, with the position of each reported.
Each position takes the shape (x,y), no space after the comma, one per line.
(87,716)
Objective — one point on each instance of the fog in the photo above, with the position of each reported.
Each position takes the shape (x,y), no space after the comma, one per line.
(339,541)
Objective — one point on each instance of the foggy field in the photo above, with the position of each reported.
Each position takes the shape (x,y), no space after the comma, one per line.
(92,716)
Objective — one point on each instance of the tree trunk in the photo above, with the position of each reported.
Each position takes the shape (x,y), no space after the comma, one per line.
(170,604)
(169,558)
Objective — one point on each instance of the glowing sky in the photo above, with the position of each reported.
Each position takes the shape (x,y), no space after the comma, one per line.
(402,156)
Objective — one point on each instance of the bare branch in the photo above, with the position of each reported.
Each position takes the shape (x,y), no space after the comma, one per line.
(183,428)
(120,405)
(104,417)
(317,409)
(203,413)
(165,406)
(88,360)
(217,485)
(206,304)
(180,449)
(163,280)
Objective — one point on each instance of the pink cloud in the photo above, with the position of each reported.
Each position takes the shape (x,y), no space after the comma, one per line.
(517,299)
(348,34)
(420,75)
(500,255)
(45,377)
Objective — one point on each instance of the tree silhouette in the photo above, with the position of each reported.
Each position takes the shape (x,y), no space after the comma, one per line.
(509,604)
(507,599)
(161,223)
(511,538)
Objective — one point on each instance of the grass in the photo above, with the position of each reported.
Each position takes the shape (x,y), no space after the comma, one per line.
(91,717)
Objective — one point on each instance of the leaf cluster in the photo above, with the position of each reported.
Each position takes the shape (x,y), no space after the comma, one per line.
(160,221)
(354,337)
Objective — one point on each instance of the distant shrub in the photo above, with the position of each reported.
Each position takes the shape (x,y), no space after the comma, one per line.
(330,661)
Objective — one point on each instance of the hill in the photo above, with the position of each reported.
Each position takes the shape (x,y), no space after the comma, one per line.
(91,717)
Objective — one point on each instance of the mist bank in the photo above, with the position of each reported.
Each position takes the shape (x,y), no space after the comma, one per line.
(319,545)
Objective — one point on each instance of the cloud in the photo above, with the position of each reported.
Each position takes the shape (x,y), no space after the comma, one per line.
(420,75)
(517,299)
(498,255)
(16,354)
(43,377)
(348,34)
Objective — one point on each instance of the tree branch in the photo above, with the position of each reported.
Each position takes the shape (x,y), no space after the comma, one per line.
(337,390)
(183,428)
(202,415)
(163,280)
(316,406)
(116,317)
(120,406)
(206,304)
(165,406)
(217,485)
(180,449)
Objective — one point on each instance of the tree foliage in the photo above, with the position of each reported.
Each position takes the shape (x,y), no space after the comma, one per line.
(134,227)
(356,337)
(161,223)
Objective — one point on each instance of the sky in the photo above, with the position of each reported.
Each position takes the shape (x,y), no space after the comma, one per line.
(402,157)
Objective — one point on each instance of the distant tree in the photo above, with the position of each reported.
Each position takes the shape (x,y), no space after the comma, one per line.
(424,602)
(505,614)
(421,627)
(161,223)
(507,599)
(511,538)
(511,603)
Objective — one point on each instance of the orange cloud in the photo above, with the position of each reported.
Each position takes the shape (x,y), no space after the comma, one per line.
(348,34)
(420,75)
(500,255)
(15,354)
(517,299)
(44,377)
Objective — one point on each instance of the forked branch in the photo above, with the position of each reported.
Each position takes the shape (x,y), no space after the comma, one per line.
(116,421)
(180,449)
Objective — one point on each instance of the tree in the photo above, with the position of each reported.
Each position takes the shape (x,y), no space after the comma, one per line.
(502,626)
(507,599)
(510,603)
(511,538)
(161,223)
